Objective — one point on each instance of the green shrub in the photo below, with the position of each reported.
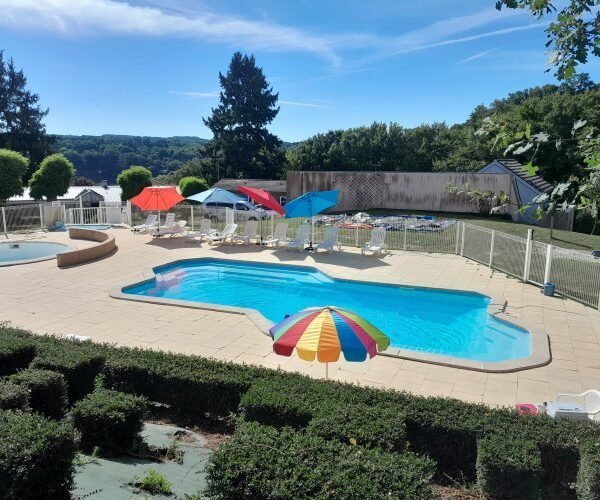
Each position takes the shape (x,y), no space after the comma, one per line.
(79,363)
(111,420)
(192,185)
(508,468)
(47,389)
(154,483)
(13,396)
(265,462)
(15,352)
(588,477)
(36,457)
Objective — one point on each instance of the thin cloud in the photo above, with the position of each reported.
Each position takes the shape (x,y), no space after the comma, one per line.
(284,102)
(479,55)
(303,104)
(187,93)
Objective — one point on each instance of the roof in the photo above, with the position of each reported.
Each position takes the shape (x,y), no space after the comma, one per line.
(520,171)
(109,193)
(269,185)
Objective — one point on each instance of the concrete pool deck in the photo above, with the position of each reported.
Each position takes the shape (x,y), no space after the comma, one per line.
(46,299)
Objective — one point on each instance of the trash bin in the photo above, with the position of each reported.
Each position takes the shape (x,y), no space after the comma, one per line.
(549,289)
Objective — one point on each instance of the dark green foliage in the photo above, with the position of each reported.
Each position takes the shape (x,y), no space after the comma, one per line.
(36,457)
(48,391)
(52,179)
(379,426)
(109,419)
(21,118)
(508,468)
(13,396)
(264,462)
(247,104)
(79,363)
(15,352)
(588,477)
(192,185)
(133,180)
(13,167)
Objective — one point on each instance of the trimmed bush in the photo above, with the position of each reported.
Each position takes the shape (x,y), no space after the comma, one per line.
(370,426)
(109,419)
(79,363)
(588,477)
(36,457)
(15,352)
(508,468)
(47,389)
(265,462)
(13,396)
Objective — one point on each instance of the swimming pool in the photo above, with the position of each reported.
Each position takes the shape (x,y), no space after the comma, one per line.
(442,322)
(23,252)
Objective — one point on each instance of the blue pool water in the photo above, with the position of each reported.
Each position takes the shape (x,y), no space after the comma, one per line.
(437,321)
(14,253)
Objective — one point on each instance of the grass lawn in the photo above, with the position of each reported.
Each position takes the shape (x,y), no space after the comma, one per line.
(565,239)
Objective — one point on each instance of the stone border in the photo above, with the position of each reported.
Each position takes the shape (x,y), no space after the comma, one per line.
(540,343)
(106,245)
(36,259)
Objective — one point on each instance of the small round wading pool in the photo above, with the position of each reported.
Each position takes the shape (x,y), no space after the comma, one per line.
(24,252)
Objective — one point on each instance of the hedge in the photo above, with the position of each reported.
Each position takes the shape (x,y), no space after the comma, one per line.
(508,468)
(13,396)
(108,419)
(79,363)
(265,462)
(15,352)
(47,389)
(588,477)
(36,456)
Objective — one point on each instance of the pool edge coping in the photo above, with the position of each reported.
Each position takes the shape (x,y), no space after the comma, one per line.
(541,354)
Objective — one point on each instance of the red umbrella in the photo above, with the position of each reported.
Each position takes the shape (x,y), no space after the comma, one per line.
(157,198)
(263,197)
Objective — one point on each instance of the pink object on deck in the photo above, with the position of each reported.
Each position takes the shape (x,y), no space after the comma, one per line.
(527,409)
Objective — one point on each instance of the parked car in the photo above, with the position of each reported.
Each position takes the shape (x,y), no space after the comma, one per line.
(244,210)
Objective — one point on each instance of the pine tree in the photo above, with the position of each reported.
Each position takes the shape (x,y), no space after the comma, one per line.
(21,118)
(242,145)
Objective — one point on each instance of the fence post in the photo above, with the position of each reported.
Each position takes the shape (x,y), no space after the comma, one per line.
(548,267)
(41,216)
(492,247)
(456,250)
(4,220)
(356,237)
(129,217)
(272,224)
(64,213)
(81,211)
(192,216)
(404,245)
(528,247)
(462,240)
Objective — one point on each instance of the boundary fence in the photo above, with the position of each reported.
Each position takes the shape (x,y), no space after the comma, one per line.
(575,274)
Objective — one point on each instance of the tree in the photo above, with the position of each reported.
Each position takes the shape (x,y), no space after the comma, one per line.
(52,179)
(13,166)
(21,118)
(573,37)
(192,185)
(133,180)
(241,143)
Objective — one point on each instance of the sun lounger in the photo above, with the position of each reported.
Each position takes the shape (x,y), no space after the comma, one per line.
(177,229)
(331,240)
(377,243)
(583,405)
(224,235)
(205,230)
(149,224)
(279,236)
(301,240)
(250,232)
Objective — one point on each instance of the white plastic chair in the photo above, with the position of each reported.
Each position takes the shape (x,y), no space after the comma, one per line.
(149,224)
(224,235)
(301,239)
(590,400)
(205,230)
(250,232)
(330,241)
(278,237)
(377,243)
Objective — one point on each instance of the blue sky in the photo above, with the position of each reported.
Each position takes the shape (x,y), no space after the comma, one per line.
(150,67)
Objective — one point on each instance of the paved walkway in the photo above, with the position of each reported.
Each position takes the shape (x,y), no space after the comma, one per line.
(46,299)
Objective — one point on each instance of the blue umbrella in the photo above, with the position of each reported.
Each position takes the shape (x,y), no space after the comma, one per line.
(215,195)
(310,204)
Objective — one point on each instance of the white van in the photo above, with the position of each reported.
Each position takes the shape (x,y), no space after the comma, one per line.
(244,210)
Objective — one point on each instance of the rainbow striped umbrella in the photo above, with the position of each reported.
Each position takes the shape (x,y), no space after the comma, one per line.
(325,332)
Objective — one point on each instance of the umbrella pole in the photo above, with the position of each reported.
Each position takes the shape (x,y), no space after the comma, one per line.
(326,371)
